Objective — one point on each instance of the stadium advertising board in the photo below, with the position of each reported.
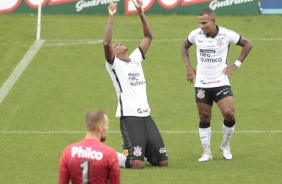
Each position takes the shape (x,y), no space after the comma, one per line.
(126,6)
(271,6)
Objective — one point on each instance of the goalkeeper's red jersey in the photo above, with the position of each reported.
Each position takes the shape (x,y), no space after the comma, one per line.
(89,161)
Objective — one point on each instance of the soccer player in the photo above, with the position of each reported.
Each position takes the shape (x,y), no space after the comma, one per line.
(212,76)
(141,136)
(89,160)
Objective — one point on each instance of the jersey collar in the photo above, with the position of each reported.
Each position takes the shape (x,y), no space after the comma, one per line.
(213,36)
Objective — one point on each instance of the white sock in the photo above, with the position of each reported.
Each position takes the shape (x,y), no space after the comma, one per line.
(227,133)
(121,159)
(205,136)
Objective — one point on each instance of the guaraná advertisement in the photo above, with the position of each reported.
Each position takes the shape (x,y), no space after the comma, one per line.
(190,7)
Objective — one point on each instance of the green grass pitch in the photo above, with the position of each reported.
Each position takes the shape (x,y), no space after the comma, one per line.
(44,110)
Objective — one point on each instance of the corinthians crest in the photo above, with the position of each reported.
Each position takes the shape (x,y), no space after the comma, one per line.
(201,93)
(137,151)
(219,41)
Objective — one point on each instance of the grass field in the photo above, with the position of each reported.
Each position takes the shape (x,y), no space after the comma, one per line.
(44,109)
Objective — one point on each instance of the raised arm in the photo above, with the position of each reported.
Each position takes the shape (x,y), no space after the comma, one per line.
(148,35)
(109,52)
(246,48)
(190,71)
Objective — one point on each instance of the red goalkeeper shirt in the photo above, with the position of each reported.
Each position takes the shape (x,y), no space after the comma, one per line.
(89,161)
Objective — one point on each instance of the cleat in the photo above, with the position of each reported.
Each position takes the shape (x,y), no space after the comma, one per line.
(225,149)
(205,157)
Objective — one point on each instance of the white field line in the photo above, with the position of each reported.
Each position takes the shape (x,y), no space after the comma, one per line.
(7,86)
(73,42)
(64,42)
(162,131)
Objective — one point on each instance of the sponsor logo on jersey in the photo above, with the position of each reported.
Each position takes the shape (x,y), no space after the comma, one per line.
(79,152)
(206,51)
(133,74)
(140,110)
(206,56)
(201,93)
(211,60)
(137,151)
(134,80)
(210,82)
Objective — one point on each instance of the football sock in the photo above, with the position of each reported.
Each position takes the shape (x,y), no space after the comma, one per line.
(121,159)
(205,136)
(127,163)
(228,129)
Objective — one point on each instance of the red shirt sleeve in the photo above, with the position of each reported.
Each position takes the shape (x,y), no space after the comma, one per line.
(114,170)
(64,176)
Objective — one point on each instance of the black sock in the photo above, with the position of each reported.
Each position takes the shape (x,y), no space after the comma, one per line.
(229,123)
(204,124)
(127,163)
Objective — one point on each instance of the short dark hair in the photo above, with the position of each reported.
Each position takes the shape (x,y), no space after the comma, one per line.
(207,11)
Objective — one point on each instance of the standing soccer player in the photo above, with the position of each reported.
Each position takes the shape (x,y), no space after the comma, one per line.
(89,160)
(140,134)
(212,76)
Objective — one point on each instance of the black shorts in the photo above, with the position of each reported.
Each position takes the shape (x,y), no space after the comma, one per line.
(142,139)
(209,95)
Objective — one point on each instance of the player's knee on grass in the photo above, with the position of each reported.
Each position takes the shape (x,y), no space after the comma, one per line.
(163,163)
(137,164)
(160,163)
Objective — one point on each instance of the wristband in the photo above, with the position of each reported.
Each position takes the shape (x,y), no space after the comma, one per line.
(238,63)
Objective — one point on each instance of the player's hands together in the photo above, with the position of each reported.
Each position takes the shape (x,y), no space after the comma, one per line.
(112,9)
(190,74)
(138,5)
(230,69)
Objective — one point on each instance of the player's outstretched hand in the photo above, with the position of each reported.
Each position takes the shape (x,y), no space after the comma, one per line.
(112,9)
(138,5)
